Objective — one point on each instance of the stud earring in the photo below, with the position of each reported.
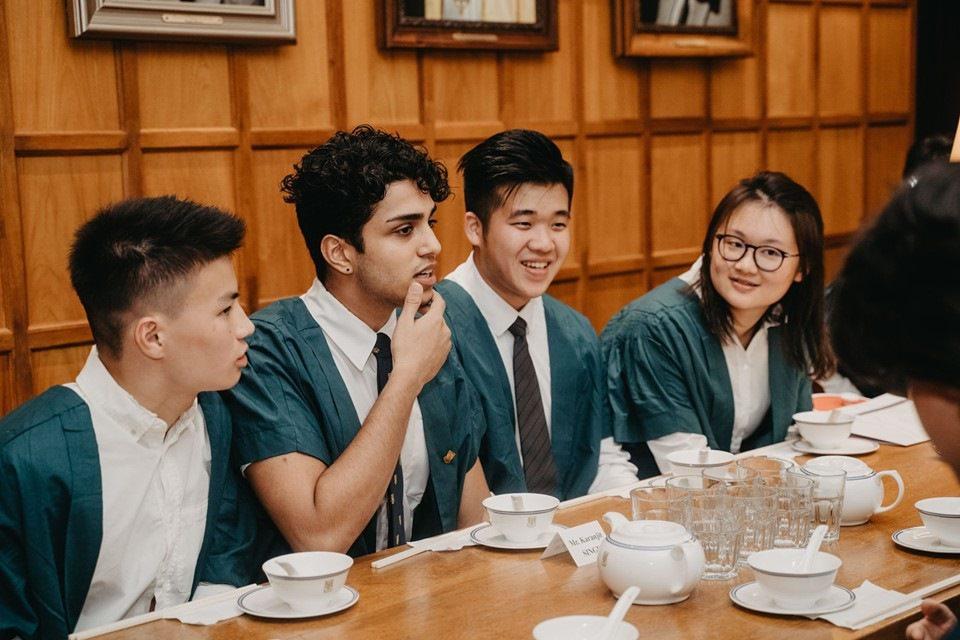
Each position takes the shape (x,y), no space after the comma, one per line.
(347,270)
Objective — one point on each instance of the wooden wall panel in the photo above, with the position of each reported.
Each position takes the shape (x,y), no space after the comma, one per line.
(565,291)
(7,397)
(56,366)
(833,258)
(614,182)
(284,265)
(734,156)
(611,86)
(204,176)
(609,294)
(663,275)
(299,74)
(467,98)
(840,61)
(572,263)
(59,85)
(677,89)
(886,153)
(679,196)
(183,86)
(889,60)
(449,229)
(790,70)
(56,196)
(840,190)
(734,88)
(792,153)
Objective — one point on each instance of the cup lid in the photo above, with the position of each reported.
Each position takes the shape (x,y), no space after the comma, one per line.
(648,534)
(700,457)
(855,468)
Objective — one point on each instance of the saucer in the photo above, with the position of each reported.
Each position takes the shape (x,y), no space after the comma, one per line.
(262,603)
(490,537)
(752,596)
(920,539)
(852,447)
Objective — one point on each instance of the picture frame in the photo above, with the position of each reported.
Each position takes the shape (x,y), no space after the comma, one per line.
(468,24)
(254,22)
(684,28)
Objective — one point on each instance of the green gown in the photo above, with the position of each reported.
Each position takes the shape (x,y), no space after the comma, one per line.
(51,513)
(579,416)
(291,399)
(666,373)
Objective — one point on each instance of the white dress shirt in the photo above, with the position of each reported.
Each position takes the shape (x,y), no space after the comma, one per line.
(351,345)
(155,484)
(749,373)
(615,469)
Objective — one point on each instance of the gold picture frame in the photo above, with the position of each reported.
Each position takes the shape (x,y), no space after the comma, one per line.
(684,28)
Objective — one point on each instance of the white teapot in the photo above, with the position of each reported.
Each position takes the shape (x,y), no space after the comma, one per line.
(864,492)
(662,558)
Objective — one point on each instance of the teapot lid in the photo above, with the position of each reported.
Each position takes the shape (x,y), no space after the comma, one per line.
(855,468)
(647,534)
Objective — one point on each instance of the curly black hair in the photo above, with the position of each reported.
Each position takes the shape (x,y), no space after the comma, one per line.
(336,186)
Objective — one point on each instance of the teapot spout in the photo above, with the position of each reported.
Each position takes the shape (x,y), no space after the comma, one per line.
(615,519)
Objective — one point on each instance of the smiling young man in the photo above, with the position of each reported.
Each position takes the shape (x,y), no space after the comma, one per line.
(117,490)
(349,449)
(537,360)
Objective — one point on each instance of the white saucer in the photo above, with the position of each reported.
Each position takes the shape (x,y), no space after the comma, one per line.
(852,447)
(487,536)
(262,603)
(752,596)
(920,539)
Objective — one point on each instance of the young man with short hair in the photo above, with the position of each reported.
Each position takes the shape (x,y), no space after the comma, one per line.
(537,360)
(357,429)
(117,493)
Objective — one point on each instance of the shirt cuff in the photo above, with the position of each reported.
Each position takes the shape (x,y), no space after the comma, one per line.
(665,445)
(615,469)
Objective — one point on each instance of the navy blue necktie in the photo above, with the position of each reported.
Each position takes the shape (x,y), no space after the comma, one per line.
(396,535)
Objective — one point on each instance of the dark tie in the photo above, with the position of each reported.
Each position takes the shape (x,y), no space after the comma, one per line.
(538,466)
(396,535)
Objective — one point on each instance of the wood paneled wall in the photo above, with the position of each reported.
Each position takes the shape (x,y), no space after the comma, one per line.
(827,98)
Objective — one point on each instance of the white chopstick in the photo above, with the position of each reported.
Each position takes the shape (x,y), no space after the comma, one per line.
(397,557)
(169,612)
(913,601)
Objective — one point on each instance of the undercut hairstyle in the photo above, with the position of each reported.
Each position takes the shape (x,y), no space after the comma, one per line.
(494,169)
(140,250)
(935,148)
(336,186)
(896,308)
(801,310)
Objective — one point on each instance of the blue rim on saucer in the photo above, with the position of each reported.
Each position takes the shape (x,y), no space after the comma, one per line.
(749,597)
(922,539)
(261,603)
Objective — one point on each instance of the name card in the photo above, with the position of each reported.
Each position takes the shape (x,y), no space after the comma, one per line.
(581,542)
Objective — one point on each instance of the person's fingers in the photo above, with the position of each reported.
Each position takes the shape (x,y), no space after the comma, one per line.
(437,305)
(411,303)
(936,613)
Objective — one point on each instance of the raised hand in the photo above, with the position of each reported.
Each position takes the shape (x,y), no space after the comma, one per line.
(420,345)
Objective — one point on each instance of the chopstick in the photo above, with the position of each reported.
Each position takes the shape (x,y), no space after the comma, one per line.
(160,614)
(913,602)
(397,557)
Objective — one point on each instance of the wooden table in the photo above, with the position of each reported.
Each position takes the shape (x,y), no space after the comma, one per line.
(480,593)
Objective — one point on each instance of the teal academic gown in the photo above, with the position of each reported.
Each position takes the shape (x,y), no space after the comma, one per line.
(51,513)
(579,416)
(291,399)
(666,373)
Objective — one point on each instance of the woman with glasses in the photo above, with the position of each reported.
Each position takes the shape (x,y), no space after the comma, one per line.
(723,355)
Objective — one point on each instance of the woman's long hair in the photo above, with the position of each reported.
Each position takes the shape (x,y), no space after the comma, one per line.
(801,310)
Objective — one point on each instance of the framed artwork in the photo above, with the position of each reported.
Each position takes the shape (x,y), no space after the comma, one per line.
(468,24)
(683,28)
(242,21)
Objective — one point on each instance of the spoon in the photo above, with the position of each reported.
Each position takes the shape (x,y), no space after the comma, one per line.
(608,630)
(286,566)
(835,416)
(816,539)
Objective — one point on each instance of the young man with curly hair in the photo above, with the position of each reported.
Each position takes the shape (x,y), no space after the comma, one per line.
(357,431)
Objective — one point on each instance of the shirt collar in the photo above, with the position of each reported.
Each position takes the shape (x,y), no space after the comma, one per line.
(495,310)
(101,389)
(348,332)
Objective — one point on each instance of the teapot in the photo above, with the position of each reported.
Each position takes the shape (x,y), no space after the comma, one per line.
(660,557)
(864,491)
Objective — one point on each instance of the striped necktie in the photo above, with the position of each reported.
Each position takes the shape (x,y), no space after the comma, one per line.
(396,535)
(538,465)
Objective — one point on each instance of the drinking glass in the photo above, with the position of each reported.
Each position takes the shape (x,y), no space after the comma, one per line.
(756,507)
(656,503)
(715,522)
(828,487)
(691,485)
(794,511)
(729,474)
(769,470)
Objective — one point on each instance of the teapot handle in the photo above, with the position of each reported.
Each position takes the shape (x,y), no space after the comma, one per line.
(896,478)
(679,555)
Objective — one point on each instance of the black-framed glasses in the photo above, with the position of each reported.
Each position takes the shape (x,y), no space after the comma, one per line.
(767,258)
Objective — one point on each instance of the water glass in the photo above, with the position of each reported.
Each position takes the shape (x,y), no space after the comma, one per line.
(756,507)
(794,511)
(691,485)
(729,474)
(769,470)
(716,524)
(828,487)
(656,503)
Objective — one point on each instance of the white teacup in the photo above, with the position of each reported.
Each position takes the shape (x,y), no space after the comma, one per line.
(778,575)
(941,517)
(816,428)
(316,578)
(521,517)
(687,461)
